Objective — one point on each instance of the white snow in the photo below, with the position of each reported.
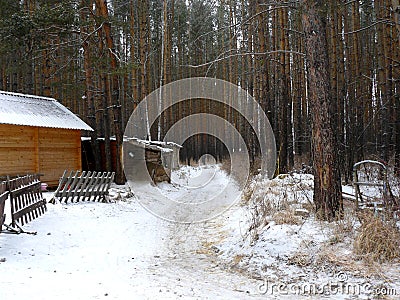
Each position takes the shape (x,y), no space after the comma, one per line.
(115,251)
(119,250)
(156,145)
(300,256)
(195,195)
(29,110)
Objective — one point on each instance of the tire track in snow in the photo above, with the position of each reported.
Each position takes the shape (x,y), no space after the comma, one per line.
(186,270)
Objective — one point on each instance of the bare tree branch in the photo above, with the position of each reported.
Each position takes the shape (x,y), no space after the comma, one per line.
(244,54)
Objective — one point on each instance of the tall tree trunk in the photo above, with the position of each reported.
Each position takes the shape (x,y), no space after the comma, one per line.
(113,100)
(89,85)
(283,97)
(396,10)
(327,185)
(143,49)
(133,48)
(341,94)
(396,74)
(356,78)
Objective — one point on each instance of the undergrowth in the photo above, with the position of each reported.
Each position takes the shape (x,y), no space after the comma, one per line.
(376,239)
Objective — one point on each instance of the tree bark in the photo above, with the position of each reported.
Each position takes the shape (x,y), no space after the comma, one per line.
(396,9)
(89,85)
(133,48)
(282,97)
(327,185)
(113,100)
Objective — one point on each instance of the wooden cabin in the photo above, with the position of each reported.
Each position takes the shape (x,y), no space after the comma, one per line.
(38,135)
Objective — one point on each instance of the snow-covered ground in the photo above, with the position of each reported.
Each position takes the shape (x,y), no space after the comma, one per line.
(120,250)
(295,254)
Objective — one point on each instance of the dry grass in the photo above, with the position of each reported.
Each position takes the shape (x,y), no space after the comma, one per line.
(377,240)
(237,259)
(247,194)
(274,200)
(339,258)
(301,259)
(343,228)
(286,217)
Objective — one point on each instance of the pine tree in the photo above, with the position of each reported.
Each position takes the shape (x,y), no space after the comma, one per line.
(327,184)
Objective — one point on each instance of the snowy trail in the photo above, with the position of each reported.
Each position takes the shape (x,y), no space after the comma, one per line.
(186,270)
(117,251)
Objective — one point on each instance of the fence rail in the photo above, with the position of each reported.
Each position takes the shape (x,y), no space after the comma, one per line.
(85,186)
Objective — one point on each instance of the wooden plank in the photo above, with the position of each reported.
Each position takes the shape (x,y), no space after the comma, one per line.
(61,182)
(102,189)
(16,162)
(56,155)
(84,184)
(16,143)
(95,186)
(58,152)
(49,132)
(36,150)
(89,185)
(26,199)
(58,138)
(78,187)
(86,187)
(78,150)
(24,211)
(66,187)
(72,186)
(3,198)
(101,186)
(14,137)
(16,154)
(110,180)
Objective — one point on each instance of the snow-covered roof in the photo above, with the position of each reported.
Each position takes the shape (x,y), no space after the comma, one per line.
(29,110)
(165,147)
(165,144)
(112,138)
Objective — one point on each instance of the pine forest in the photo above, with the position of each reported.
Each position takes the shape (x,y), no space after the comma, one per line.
(332,65)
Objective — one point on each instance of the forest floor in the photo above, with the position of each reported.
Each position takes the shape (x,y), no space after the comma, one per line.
(119,250)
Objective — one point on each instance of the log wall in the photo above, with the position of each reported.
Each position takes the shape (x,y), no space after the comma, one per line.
(48,151)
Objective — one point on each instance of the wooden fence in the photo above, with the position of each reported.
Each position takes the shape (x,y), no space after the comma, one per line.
(26,199)
(3,198)
(85,186)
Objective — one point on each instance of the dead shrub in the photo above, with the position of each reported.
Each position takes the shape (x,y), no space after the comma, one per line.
(377,240)
(260,208)
(277,200)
